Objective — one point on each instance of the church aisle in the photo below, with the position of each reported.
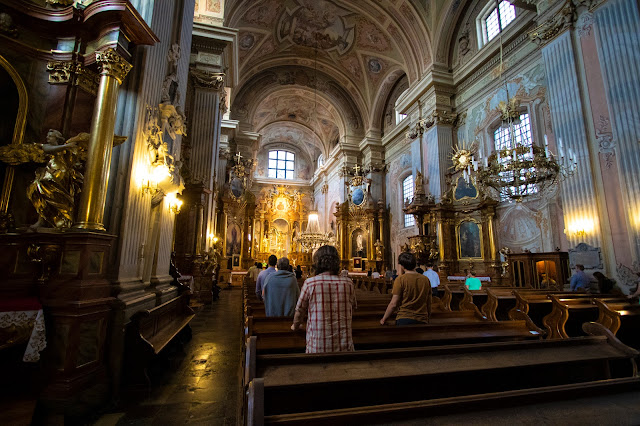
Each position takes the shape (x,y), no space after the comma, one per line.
(201,385)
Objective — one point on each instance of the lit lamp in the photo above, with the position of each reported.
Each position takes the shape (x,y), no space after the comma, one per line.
(174,203)
(579,228)
(157,174)
(313,238)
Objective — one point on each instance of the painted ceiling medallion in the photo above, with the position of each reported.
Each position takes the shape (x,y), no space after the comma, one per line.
(318,24)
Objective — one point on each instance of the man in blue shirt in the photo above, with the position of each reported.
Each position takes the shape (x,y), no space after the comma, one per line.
(579,280)
(434,278)
(264,274)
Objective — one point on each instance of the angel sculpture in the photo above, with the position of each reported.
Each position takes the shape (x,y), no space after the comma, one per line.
(55,186)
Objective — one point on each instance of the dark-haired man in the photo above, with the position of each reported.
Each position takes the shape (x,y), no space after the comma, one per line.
(411,294)
(264,274)
(280,291)
(579,280)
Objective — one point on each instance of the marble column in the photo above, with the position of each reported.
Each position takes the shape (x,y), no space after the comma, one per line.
(617,33)
(437,143)
(566,103)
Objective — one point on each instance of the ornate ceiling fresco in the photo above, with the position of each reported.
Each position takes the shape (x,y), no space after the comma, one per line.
(354,50)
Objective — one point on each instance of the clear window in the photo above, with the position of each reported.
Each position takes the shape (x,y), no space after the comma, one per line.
(407,195)
(497,20)
(400,117)
(281,164)
(521,136)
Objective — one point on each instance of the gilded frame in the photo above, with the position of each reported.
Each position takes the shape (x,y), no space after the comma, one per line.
(18,130)
(466,197)
(459,246)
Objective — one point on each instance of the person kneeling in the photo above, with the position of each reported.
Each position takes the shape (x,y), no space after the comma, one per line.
(411,294)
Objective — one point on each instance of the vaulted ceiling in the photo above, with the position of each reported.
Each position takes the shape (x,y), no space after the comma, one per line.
(325,66)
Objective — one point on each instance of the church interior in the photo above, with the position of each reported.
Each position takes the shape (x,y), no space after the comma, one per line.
(152,152)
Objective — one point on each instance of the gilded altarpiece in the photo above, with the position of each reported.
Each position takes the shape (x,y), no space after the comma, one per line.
(360,228)
(465,226)
(281,216)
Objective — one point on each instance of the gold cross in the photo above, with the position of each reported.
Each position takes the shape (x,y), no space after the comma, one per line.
(356,168)
(238,157)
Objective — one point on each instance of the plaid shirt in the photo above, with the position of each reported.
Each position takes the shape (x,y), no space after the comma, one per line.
(330,300)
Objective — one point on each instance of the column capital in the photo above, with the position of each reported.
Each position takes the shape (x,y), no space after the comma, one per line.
(207,79)
(112,64)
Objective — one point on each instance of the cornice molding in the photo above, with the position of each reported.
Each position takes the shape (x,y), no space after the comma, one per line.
(206,79)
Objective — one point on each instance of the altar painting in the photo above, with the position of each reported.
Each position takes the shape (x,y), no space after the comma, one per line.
(469,240)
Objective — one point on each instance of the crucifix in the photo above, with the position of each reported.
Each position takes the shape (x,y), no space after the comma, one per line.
(238,157)
(356,168)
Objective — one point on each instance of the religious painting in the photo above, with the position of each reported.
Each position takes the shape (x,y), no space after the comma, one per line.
(236,261)
(237,188)
(464,189)
(357,264)
(469,240)
(357,197)
(234,240)
(358,243)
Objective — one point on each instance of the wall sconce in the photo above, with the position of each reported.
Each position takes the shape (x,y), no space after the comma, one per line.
(174,203)
(157,174)
(579,228)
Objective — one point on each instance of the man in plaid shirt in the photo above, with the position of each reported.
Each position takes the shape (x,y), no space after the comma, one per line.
(329,300)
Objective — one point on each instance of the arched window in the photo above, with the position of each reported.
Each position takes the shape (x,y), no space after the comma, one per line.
(407,195)
(281,164)
(522,136)
(495,19)
(320,160)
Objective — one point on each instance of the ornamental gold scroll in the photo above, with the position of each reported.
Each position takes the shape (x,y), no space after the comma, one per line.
(55,186)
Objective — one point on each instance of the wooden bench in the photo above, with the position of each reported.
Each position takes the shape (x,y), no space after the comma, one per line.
(407,336)
(151,330)
(622,319)
(389,385)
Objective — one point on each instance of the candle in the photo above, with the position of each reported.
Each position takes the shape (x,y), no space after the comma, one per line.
(560,149)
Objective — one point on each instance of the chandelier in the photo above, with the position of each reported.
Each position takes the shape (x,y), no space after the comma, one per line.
(518,168)
(313,238)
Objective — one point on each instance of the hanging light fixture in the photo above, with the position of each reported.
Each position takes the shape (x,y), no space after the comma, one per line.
(313,238)
(518,169)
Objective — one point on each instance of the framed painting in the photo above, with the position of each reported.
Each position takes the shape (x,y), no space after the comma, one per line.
(469,236)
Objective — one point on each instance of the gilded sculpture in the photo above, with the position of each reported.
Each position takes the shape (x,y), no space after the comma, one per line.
(56,185)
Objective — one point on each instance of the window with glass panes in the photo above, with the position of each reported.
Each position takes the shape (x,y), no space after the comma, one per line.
(407,194)
(498,19)
(281,164)
(522,136)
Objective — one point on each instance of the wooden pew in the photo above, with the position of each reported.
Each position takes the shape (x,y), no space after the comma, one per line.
(407,336)
(259,325)
(151,330)
(388,385)
(622,319)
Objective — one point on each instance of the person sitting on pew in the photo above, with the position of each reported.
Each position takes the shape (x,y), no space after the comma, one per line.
(262,276)
(411,294)
(434,279)
(328,300)
(472,282)
(375,274)
(280,291)
(579,280)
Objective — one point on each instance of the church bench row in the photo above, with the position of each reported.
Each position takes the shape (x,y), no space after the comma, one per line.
(151,330)
(346,386)
(407,336)
(622,319)
(261,324)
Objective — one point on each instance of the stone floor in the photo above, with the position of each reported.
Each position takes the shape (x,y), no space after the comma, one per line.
(202,384)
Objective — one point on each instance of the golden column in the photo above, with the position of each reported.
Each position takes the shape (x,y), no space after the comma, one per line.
(113,70)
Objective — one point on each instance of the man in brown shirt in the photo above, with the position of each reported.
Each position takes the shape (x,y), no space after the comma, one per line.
(411,292)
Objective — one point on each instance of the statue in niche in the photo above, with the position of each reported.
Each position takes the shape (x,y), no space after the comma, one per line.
(56,185)
(379,250)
